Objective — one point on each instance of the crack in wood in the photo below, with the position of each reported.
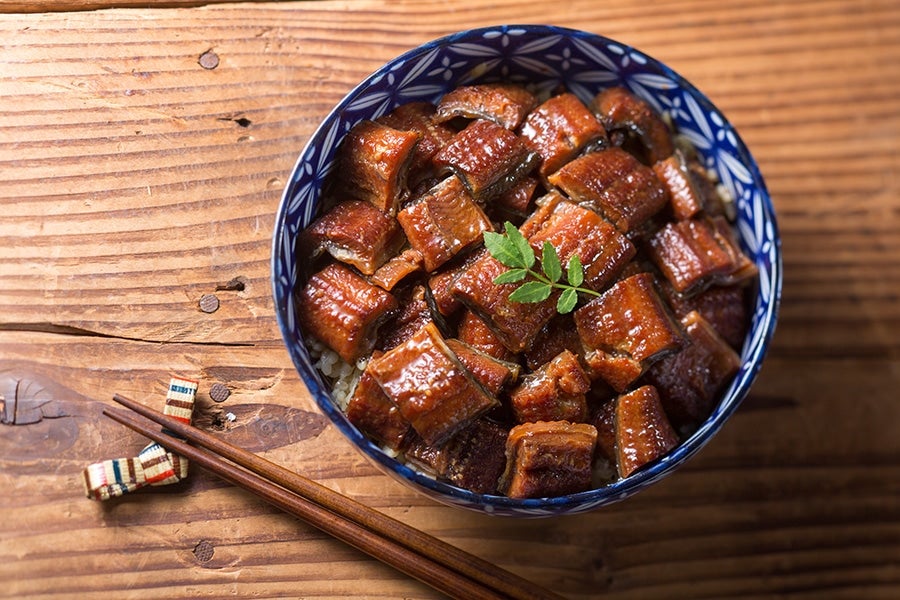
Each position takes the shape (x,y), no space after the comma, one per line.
(90,5)
(46,327)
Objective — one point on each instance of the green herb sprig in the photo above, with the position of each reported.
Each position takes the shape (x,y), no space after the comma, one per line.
(514,251)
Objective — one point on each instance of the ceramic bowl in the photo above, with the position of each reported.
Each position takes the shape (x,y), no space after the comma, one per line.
(545,57)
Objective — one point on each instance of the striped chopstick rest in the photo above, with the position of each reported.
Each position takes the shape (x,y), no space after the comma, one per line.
(180,399)
(154,465)
(161,467)
(119,476)
(111,478)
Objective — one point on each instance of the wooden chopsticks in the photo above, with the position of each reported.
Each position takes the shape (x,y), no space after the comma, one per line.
(414,552)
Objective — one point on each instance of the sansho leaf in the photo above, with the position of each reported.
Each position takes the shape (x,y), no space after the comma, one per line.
(503,249)
(567,301)
(574,271)
(531,291)
(550,262)
(524,248)
(511,276)
(514,251)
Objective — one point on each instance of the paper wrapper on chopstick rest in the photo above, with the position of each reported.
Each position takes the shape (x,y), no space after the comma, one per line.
(154,465)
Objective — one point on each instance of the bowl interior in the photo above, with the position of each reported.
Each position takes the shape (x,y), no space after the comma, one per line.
(547,58)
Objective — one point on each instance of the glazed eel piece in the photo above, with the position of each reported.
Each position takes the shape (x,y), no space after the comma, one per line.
(397,268)
(473,331)
(488,158)
(573,229)
(443,222)
(626,329)
(685,196)
(560,129)
(619,109)
(548,458)
(553,392)
(699,252)
(370,409)
(689,381)
(643,431)
(615,184)
(474,459)
(430,387)
(413,313)
(492,373)
(353,232)
(725,308)
(505,104)
(343,310)
(515,324)
(373,163)
(420,118)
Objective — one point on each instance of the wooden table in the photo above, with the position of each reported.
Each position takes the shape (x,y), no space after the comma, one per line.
(143,152)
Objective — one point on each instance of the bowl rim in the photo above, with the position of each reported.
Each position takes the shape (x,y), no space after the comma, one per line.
(581,501)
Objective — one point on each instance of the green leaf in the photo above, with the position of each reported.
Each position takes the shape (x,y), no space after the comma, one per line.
(532,291)
(574,271)
(511,276)
(550,262)
(524,248)
(503,249)
(567,301)
(514,251)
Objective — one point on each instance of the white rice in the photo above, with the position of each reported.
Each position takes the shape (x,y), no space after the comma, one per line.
(342,375)
(728,202)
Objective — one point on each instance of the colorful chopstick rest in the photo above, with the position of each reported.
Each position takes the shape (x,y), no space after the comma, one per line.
(154,465)
(179,405)
(160,467)
(112,478)
(119,476)
(180,399)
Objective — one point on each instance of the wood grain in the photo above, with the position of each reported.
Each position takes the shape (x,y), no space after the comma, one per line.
(41,6)
(133,181)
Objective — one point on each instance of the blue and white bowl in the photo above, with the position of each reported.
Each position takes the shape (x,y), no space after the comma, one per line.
(545,57)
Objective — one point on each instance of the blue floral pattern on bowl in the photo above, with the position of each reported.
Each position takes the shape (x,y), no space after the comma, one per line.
(546,58)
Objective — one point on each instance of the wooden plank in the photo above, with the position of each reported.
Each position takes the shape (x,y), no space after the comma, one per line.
(46,6)
(771,503)
(135,173)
